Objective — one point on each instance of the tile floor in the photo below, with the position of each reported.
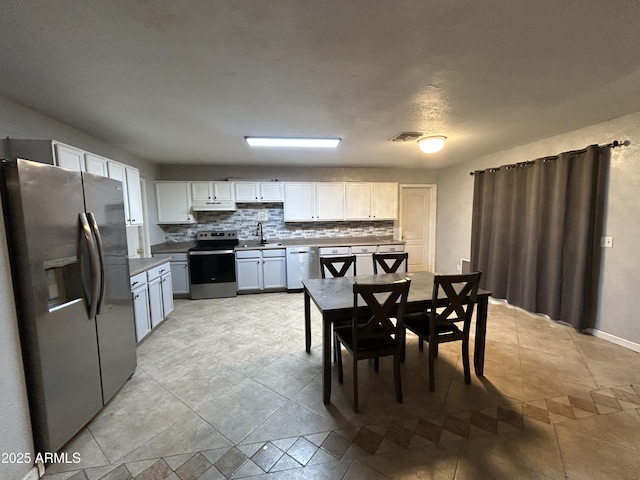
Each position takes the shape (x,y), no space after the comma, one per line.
(224,389)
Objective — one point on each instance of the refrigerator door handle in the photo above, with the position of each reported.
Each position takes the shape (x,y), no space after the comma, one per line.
(98,237)
(94,264)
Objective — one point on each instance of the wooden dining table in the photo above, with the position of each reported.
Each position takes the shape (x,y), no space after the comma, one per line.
(334,299)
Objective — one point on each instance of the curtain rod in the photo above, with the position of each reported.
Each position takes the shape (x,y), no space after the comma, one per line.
(613,144)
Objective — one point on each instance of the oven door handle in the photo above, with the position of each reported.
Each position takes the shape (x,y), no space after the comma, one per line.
(212,252)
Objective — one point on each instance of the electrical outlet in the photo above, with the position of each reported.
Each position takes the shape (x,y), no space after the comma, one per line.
(606,242)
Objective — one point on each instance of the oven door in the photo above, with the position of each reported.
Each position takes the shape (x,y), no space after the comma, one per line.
(212,266)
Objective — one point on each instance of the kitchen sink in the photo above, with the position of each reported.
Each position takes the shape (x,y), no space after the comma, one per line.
(257,245)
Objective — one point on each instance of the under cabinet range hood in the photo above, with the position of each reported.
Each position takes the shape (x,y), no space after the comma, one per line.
(214,206)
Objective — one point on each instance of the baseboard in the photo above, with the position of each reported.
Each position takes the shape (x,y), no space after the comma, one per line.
(617,340)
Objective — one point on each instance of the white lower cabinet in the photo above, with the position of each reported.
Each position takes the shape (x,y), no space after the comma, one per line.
(152,294)
(140,296)
(259,270)
(179,272)
(364,258)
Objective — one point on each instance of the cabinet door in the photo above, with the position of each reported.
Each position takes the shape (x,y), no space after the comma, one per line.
(69,157)
(141,311)
(117,171)
(180,277)
(271,192)
(247,192)
(167,294)
(96,165)
(134,196)
(223,191)
(249,273)
(299,202)
(173,202)
(154,288)
(274,272)
(357,201)
(200,191)
(329,201)
(384,201)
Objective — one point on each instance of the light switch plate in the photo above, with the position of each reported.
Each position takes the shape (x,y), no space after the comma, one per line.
(606,242)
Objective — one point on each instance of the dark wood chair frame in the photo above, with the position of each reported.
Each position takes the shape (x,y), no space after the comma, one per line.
(372,332)
(398,258)
(439,325)
(329,263)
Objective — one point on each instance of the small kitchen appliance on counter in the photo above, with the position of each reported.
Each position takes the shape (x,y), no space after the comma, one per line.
(212,265)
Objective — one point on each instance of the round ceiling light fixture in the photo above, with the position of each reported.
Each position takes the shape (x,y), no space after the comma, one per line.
(431,144)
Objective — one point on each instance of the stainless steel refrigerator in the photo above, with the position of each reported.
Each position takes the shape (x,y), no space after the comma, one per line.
(68,252)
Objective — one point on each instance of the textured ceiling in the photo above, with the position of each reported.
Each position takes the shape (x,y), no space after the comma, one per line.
(185,81)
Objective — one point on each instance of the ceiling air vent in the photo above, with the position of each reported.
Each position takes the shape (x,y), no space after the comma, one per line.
(407,137)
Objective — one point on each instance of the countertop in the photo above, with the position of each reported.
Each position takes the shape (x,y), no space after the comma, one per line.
(139,265)
(183,247)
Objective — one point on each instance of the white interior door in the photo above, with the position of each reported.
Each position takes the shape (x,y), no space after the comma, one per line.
(418,225)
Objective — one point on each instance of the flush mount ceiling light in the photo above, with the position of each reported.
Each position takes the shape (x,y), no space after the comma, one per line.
(293,142)
(431,144)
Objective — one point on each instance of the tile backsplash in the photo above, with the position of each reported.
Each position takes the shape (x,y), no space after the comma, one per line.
(245,220)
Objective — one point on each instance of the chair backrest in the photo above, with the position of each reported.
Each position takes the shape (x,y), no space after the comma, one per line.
(332,264)
(383,303)
(390,262)
(461,292)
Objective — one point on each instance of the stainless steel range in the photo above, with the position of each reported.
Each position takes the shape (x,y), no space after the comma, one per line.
(212,265)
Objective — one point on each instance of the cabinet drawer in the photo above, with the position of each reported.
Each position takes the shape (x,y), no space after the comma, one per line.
(334,251)
(390,248)
(364,249)
(247,253)
(137,280)
(157,271)
(275,252)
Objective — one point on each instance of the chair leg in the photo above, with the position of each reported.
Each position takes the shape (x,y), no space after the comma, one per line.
(465,361)
(420,344)
(376,364)
(432,358)
(396,378)
(336,346)
(355,385)
(339,355)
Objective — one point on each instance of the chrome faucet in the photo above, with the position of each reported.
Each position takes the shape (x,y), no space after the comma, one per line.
(260,233)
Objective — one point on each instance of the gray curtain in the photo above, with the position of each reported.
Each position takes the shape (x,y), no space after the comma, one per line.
(536,232)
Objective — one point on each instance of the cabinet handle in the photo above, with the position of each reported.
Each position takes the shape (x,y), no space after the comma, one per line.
(134,284)
(137,296)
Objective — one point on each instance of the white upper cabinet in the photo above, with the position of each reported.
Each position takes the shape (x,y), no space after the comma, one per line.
(371,201)
(174,202)
(134,196)
(96,165)
(252,192)
(384,201)
(299,202)
(203,191)
(308,202)
(329,201)
(247,192)
(271,192)
(357,201)
(69,157)
(130,178)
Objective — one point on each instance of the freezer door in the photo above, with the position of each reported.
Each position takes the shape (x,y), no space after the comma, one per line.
(115,323)
(58,337)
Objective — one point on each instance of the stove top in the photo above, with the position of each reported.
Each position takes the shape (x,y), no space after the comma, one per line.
(216,240)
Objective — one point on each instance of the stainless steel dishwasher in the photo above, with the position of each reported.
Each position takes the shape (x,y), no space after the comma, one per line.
(302,263)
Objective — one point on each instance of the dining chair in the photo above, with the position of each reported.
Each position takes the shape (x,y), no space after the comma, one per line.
(390,262)
(337,266)
(376,329)
(447,321)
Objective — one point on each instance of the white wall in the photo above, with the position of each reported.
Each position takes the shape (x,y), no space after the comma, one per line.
(620,277)
(15,426)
